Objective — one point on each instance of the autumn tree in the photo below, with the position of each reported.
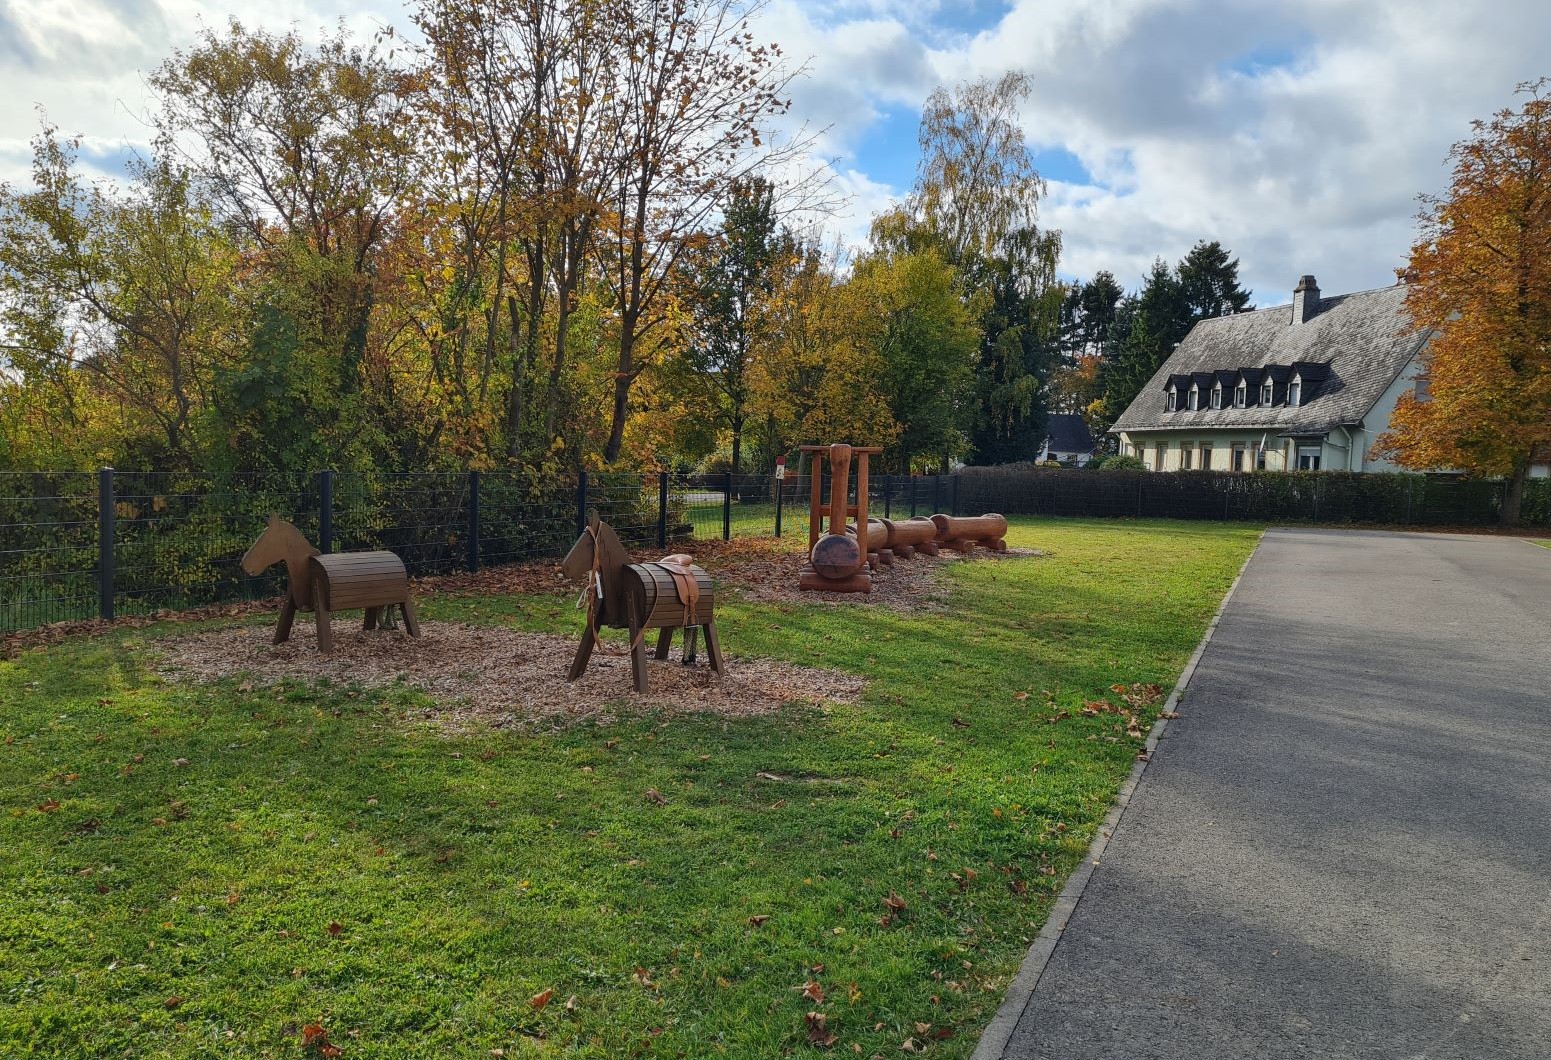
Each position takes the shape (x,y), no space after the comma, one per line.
(1479,279)
(305,148)
(119,293)
(696,93)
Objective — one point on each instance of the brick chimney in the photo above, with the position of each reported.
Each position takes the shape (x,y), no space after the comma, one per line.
(1305,300)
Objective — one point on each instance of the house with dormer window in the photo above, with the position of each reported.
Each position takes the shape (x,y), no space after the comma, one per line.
(1306,386)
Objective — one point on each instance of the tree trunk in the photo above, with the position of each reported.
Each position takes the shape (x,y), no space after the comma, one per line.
(514,406)
(737,443)
(1513,498)
(621,391)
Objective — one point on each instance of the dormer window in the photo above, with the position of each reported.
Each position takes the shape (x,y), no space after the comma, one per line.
(1194,398)
(1295,392)
(1217,396)
(1241,395)
(1265,393)
(1171,400)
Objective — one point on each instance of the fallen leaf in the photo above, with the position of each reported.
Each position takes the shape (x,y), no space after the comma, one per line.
(1020,696)
(173,1002)
(180,762)
(335,927)
(539,1000)
(48,806)
(819,1034)
(895,903)
(813,990)
(653,795)
(758,919)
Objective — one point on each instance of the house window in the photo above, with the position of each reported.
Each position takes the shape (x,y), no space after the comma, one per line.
(1238,456)
(1308,458)
(1163,456)
(1206,456)
(1171,401)
(1260,458)
(1265,393)
(1217,396)
(1241,395)
(1195,398)
(1294,391)
(1185,453)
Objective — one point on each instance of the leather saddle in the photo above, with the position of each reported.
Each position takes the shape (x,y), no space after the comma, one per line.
(681,569)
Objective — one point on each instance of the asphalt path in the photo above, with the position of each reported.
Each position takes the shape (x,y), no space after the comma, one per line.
(1343,845)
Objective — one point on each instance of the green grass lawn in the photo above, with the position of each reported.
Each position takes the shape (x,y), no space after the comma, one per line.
(208,871)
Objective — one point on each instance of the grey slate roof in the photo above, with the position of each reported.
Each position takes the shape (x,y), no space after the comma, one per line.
(1068,433)
(1366,338)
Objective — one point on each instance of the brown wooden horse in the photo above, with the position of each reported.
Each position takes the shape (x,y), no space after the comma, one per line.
(669,594)
(373,581)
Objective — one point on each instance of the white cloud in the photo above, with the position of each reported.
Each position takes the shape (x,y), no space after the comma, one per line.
(1299,135)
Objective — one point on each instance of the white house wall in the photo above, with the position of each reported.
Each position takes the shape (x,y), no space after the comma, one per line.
(1376,422)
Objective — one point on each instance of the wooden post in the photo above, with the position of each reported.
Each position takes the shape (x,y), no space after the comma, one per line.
(107,513)
(861,504)
(839,479)
(473,526)
(815,499)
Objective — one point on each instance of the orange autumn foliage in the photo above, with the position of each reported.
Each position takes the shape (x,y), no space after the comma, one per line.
(1480,277)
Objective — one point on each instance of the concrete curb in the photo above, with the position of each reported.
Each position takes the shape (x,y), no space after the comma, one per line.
(999,1032)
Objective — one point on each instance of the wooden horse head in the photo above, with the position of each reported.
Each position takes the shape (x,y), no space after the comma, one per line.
(599,548)
(282,542)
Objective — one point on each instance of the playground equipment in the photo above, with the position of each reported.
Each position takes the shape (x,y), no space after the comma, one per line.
(670,594)
(838,556)
(906,537)
(376,582)
(963,532)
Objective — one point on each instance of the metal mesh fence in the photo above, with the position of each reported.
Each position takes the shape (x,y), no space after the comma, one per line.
(171,539)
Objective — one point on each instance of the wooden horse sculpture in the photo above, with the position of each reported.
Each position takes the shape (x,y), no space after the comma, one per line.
(670,594)
(373,581)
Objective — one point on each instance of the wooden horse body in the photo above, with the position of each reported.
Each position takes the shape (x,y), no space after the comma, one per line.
(670,594)
(376,582)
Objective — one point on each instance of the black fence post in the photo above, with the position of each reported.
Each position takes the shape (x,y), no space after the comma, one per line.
(581,503)
(473,528)
(107,514)
(662,509)
(936,494)
(780,494)
(888,496)
(326,511)
(953,504)
(914,483)
(727,507)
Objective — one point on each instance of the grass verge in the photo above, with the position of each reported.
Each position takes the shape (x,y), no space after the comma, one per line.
(219,870)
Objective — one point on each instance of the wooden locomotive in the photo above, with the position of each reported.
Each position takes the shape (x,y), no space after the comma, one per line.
(375,582)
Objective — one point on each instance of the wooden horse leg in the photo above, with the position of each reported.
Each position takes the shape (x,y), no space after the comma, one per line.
(287,616)
(713,646)
(370,621)
(637,646)
(321,618)
(583,654)
(691,641)
(411,620)
(664,642)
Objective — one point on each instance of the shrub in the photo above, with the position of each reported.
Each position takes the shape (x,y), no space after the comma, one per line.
(1122,462)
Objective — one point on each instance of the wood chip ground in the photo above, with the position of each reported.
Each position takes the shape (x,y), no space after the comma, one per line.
(497,676)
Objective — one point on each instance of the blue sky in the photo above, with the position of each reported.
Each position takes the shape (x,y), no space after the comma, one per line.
(1297,134)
